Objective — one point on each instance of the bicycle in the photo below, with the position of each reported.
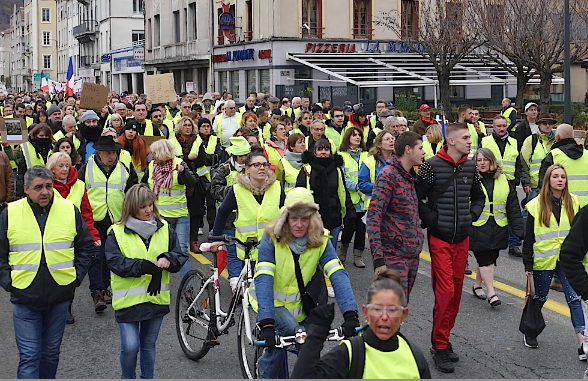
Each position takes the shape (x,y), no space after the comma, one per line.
(200,320)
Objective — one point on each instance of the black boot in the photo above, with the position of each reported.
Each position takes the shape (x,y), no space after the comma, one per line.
(70,319)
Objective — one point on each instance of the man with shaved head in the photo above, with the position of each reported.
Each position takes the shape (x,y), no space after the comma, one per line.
(574,158)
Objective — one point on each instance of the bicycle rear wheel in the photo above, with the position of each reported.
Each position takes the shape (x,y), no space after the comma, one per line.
(193,319)
(248,353)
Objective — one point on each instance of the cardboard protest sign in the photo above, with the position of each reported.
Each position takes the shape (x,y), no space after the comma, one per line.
(13,131)
(94,96)
(160,88)
(151,139)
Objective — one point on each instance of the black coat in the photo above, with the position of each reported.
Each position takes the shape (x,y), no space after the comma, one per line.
(573,250)
(490,236)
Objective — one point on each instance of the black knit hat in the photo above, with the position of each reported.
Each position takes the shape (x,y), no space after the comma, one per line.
(201,121)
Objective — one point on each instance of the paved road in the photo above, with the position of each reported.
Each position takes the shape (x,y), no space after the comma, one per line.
(487,339)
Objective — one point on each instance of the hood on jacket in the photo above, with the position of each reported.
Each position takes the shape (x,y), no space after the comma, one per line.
(72,177)
(354,119)
(244,180)
(442,153)
(570,147)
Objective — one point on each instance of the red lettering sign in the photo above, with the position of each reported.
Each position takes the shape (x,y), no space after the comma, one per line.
(218,58)
(265,54)
(328,48)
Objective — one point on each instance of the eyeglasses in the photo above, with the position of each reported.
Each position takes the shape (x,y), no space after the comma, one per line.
(259,165)
(231,108)
(376,310)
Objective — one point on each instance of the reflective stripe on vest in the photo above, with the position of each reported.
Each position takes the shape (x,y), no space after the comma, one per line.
(32,158)
(576,173)
(131,291)
(508,160)
(285,287)
(106,195)
(538,155)
(499,197)
(291,174)
(76,193)
(26,244)
(548,240)
(507,113)
(171,203)
(209,150)
(370,163)
(252,217)
(351,171)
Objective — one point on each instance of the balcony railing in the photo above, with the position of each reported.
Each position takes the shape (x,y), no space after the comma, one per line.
(87,26)
(86,61)
(312,30)
(362,33)
(191,48)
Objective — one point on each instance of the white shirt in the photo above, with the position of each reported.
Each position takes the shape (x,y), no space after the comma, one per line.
(229,127)
(534,127)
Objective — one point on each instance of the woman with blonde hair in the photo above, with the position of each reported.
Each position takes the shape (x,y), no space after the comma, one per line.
(168,177)
(434,141)
(116,121)
(369,169)
(489,234)
(548,223)
(141,250)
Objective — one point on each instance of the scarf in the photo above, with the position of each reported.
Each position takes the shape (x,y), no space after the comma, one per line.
(299,245)
(144,228)
(90,133)
(294,158)
(186,144)
(503,138)
(319,182)
(129,146)
(238,167)
(163,176)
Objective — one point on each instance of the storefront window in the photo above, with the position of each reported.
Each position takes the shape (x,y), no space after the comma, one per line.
(223,82)
(235,84)
(251,83)
(264,81)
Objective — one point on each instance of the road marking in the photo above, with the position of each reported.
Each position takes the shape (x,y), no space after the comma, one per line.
(561,309)
(203,260)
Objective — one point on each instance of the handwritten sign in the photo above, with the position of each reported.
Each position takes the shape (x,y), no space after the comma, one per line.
(94,96)
(151,139)
(161,88)
(13,131)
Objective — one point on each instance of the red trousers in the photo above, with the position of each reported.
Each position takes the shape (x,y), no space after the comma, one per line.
(448,263)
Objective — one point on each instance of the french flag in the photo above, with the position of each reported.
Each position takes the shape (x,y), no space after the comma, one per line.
(70,80)
(44,83)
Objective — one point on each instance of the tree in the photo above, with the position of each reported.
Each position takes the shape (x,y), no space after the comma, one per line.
(446,32)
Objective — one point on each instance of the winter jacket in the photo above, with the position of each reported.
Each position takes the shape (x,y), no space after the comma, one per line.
(364,180)
(490,236)
(22,167)
(85,208)
(450,217)
(6,180)
(44,291)
(420,126)
(393,216)
(205,159)
(568,146)
(522,132)
(502,147)
(131,267)
(573,250)
(186,177)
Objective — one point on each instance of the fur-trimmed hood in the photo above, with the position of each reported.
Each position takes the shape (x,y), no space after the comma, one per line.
(244,180)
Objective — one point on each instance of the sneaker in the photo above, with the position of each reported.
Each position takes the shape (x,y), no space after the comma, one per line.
(515,252)
(442,361)
(99,303)
(331,292)
(452,355)
(200,232)
(585,344)
(531,342)
(581,354)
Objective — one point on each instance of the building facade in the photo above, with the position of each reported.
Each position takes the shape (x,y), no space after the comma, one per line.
(67,45)
(19,73)
(40,41)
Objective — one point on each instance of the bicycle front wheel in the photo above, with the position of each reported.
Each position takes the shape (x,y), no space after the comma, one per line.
(248,353)
(194,306)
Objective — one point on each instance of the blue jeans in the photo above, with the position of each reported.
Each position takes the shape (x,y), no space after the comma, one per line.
(182,227)
(234,264)
(134,337)
(335,236)
(269,363)
(38,332)
(543,280)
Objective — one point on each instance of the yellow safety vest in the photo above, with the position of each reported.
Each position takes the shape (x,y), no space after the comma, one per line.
(352,171)
(106,195)
(576,172)
(219,125)
(332,134)
(474,136)
(273,156)
(210,149)
(251,216)
(170,127)
(286,291)
(334,148)
(508,161)
(506,114)
(170,203)
(76,193)
(291,174)
(499,197)
(266,133)
(366,131)
(131,291)
(539,154)
(548,240)
(174,141)
(125,157)
(26,243)
(428,148)
(60,135)
(396,365)
(32,158)
(148,128)
(243,111)
(370,163)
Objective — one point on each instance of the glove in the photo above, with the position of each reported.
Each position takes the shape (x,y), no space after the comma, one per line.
(350,324)
(148,267)
(268,334)
(322,316)
(154,286)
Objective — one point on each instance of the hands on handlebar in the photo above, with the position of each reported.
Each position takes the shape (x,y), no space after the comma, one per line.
(299,337)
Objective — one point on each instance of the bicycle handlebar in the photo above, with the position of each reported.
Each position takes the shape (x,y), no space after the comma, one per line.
(299,337)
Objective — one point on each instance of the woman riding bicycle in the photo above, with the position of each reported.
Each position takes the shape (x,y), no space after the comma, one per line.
(297,235)
(380,353)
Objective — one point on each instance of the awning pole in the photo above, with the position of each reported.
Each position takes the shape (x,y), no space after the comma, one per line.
(435,95)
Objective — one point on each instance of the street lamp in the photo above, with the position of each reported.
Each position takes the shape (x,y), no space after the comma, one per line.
(567,63)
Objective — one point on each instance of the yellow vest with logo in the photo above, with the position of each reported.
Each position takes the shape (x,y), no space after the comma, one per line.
(286,292)
(548,240)
(27,245)
(498,203)
(576,170)
(32,158)
(106,195)
(131,291)
(428,148)
(251,216)
(219,124)
(508,161)
(507,113)
(291,174)
(352,171)
(370,163)
(210,149)
(170,203)
(76,193)
(396,365)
